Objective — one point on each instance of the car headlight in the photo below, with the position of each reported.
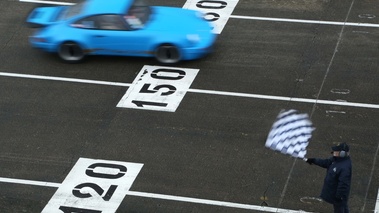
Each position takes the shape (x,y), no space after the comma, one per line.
(193,38)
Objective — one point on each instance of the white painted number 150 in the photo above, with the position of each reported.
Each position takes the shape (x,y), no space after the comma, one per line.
(166,89)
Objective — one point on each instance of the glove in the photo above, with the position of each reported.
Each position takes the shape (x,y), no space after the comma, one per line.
(310,161)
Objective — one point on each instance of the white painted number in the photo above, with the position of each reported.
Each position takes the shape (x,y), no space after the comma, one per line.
(215,11)
(93,186)
(158,88)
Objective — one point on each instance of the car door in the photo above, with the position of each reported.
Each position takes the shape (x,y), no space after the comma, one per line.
(114,37)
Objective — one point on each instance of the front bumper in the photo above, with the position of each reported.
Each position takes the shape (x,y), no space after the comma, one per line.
(200,50)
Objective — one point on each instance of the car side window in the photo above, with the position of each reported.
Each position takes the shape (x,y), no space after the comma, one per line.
(138,15)
(111,22)
(87,23)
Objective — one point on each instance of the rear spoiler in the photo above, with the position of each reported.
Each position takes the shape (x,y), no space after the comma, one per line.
(43,16)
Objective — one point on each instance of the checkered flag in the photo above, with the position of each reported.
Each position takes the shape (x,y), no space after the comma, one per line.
(290,133)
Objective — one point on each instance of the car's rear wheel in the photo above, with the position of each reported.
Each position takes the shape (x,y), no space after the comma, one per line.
(71,52)
(167,54)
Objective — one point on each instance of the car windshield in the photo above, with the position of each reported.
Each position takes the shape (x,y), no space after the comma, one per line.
(138,14)
(71,11)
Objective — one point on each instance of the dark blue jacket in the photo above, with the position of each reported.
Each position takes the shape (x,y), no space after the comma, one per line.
(337,180)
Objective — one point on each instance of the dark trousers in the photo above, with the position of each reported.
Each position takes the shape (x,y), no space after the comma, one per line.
(341,207)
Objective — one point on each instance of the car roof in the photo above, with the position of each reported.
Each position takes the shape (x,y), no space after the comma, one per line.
(93,7)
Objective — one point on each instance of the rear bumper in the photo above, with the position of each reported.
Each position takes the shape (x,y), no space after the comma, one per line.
(45,46)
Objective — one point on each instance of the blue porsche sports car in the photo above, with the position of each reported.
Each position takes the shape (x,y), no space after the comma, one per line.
(122,28)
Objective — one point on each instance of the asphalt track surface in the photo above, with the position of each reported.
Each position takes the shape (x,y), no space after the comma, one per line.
(212,147)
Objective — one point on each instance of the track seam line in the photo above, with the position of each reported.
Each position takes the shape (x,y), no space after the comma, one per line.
(317,97)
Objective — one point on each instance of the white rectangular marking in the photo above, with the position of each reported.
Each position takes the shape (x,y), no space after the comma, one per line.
(216,12)
(94,186)
(158,88)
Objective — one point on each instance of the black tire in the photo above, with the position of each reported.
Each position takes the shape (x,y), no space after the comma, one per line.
(167,54)
(71,52)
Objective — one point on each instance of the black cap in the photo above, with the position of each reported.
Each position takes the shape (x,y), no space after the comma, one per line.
(341,147)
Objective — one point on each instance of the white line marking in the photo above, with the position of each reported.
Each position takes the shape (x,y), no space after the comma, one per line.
(306,21)
(167,197)
(47,2)
(282,98)
(335,111)
(211,92)
(74,80)
(212,202)
(29,182)
(377,204)
(340,91)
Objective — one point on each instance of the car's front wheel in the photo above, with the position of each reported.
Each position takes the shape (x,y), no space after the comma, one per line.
(71,52)
(167,54)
